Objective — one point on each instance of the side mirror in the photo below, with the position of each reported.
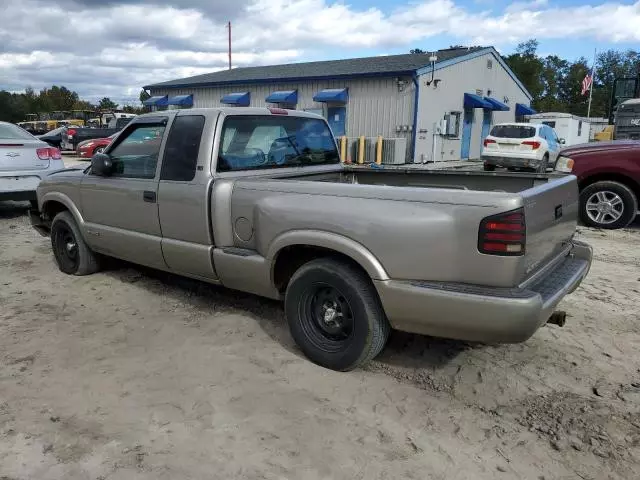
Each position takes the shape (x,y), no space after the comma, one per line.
(562,141)
(101,165)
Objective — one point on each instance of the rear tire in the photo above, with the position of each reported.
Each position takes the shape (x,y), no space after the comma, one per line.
(542,168)
(335,315)
(609,205)
(72,254)
(489,168)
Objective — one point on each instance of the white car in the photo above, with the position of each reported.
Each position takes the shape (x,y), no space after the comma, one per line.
(24,161)
(521,145)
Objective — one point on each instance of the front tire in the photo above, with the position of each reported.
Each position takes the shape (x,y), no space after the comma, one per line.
(489,168)
(335,315)
(98,150)
(609,205)
(72,254)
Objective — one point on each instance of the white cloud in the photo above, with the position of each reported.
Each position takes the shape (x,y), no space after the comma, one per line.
(115,47)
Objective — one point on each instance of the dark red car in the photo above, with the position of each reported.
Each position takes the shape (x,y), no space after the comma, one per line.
(609,180)
(89,148)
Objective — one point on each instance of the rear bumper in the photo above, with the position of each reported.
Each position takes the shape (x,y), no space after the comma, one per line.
(482,314)
(517,160)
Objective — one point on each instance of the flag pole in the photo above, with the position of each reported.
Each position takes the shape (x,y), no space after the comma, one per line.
(593,71)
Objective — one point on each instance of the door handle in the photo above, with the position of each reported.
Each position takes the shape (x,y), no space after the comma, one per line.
(149,196)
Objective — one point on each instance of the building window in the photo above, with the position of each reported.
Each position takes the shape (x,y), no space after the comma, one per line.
(489,64)
(579,127)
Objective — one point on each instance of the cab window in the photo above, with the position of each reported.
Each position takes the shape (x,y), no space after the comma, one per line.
(136,154)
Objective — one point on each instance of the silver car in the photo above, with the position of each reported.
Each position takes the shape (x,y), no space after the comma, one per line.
(24,161)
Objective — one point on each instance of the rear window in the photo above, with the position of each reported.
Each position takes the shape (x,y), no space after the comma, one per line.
(513,131)
(252,142)
(14,132)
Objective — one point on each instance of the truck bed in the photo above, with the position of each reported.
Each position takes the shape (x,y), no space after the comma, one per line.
(434,215)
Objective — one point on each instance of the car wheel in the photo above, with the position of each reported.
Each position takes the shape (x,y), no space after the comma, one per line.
(542,168)
(608,205)
(489,168)
(71,252)
(98,150)
(335,315)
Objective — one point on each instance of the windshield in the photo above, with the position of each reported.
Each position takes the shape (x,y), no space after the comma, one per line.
(513,131)
(258,142)
(13,132)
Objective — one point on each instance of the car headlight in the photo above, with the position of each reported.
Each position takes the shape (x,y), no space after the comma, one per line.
(90,144)
(564,164)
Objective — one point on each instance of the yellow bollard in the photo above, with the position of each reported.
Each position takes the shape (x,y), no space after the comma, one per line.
(343,148)
(379,150)
(361,150)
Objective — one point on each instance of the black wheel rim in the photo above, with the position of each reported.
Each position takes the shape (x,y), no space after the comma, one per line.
(66,248)
(326,317)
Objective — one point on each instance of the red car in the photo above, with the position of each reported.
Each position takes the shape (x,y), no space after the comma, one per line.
(609,180)
(89,148)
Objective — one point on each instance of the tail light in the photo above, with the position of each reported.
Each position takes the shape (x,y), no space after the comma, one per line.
(503,234)
(278,111)
(71,132)
(487,141)
(532,143)
(48,153)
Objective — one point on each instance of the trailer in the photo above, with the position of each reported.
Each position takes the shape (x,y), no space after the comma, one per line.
(571,128)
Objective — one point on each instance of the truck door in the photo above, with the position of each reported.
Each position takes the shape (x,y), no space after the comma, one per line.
(121,210)
(183,196)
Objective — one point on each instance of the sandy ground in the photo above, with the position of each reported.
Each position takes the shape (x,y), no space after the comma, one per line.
(136,374)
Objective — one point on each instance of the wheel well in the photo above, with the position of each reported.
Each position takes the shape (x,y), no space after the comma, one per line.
(51,208)
(611,177)
(291,258)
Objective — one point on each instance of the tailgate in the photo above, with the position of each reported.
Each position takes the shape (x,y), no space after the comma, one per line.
(551,216)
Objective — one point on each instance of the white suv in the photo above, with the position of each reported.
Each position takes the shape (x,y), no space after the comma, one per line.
(521,145)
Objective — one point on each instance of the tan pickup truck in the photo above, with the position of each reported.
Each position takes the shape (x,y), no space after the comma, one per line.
(257,200)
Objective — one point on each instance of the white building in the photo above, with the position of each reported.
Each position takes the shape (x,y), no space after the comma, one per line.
(442,106)
(572,128)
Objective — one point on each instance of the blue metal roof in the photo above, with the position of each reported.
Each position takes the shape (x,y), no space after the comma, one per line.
(183,100)
(159,101)
(241,99)
(283,96)
(522,109)
(472,100)
(497,105)
(333,95)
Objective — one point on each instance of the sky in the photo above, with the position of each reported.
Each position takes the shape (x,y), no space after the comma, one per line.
(114,47)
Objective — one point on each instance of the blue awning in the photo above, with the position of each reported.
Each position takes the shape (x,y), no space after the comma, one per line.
(182,100)
(159,101)
(522,109)
(475,101)
(240,99)
(497,105)
(285,96)
(332,95)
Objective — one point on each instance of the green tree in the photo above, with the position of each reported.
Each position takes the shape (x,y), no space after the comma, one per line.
(529,68)
(144,95)
(417,50)
(107,104)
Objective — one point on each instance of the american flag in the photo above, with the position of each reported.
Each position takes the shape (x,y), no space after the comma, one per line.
(586,84)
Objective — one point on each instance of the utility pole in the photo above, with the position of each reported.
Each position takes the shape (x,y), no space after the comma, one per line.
(229,27)
(593,81)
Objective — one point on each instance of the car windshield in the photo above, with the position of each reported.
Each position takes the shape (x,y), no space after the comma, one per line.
(13,132)
(257,142)
(513,131)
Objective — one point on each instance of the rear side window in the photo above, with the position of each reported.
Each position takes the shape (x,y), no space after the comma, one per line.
(513,131)
(252,142)
(183,144)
